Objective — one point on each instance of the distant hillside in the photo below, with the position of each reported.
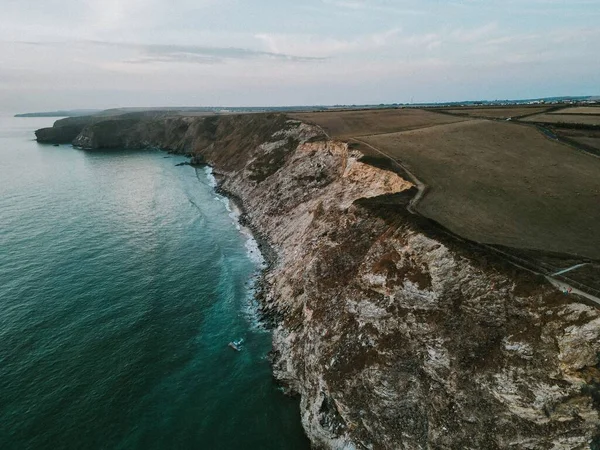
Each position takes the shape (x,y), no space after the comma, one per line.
(64,113)
(208,110)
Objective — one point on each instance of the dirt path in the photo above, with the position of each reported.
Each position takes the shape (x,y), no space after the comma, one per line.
(577,266)
(538,270)
(421,187)
(466,119)
(563,286)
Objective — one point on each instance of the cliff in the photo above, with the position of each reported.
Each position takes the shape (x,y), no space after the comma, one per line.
(394,334)
(105,125)
(64,131)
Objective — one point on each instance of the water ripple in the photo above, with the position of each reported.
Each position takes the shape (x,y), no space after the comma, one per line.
(121,282)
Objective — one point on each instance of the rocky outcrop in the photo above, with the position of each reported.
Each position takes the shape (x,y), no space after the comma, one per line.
(397,338)
(67,130)
(101,131)
(395,335)
(59,134)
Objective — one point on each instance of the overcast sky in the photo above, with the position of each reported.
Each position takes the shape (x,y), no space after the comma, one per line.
(107,53)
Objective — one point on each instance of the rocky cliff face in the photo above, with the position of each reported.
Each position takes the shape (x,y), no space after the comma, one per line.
(394,334)
(63,131)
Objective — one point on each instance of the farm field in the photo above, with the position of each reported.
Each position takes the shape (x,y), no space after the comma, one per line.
(495,112)
(503,183)
(585,119)
(593,142)
(344,124)
(579,110)
(587,275)
(590,138)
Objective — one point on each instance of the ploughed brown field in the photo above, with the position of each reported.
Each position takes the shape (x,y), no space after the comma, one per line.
(497,112)
(585,119)
(504,183)
(493,182)
(580,110)
(343,124)
(590,138)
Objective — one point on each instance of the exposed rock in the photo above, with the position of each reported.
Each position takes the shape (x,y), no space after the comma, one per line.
(395,336)
(64,131)
(197,160)
(398,340)
(57,135)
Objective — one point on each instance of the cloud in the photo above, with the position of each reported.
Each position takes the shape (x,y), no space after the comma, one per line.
(273,52)
(168,53)
(326,47)
(472,35)
(374,6)
(390,44)
(201,54)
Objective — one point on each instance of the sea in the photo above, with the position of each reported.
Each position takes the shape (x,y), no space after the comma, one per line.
(123,278)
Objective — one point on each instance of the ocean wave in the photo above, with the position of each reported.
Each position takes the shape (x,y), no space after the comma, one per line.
(212,181)
(253,250)
(251,306)
(225,201)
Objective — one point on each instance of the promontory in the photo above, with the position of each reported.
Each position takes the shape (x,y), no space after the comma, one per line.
(434,281)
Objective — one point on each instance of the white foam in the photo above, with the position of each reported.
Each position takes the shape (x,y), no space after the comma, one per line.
(253,251)
(225,201)
(251,307)
(235,220)
(212,181)
(252,248)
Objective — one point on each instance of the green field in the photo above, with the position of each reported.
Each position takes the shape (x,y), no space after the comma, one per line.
(495,182)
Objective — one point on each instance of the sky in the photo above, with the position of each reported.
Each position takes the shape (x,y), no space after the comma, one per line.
(57,54)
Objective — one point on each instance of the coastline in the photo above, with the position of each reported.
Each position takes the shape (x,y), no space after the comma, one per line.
(268,317)
(149,282)
(267,251)
(367,306)
(301,326)
(267,260)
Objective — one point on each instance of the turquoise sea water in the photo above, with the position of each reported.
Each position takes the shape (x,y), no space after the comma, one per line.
(122,280)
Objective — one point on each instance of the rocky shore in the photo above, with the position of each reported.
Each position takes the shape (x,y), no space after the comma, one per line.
(394,335)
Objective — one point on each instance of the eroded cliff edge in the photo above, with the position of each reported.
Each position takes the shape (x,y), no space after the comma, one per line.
(394,335)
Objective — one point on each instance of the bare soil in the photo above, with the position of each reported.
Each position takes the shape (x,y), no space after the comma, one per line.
(344,124)
(588,275)
(504,183)
(589,138)
(589,141)
(585,119)
(496,112)
(580,110)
